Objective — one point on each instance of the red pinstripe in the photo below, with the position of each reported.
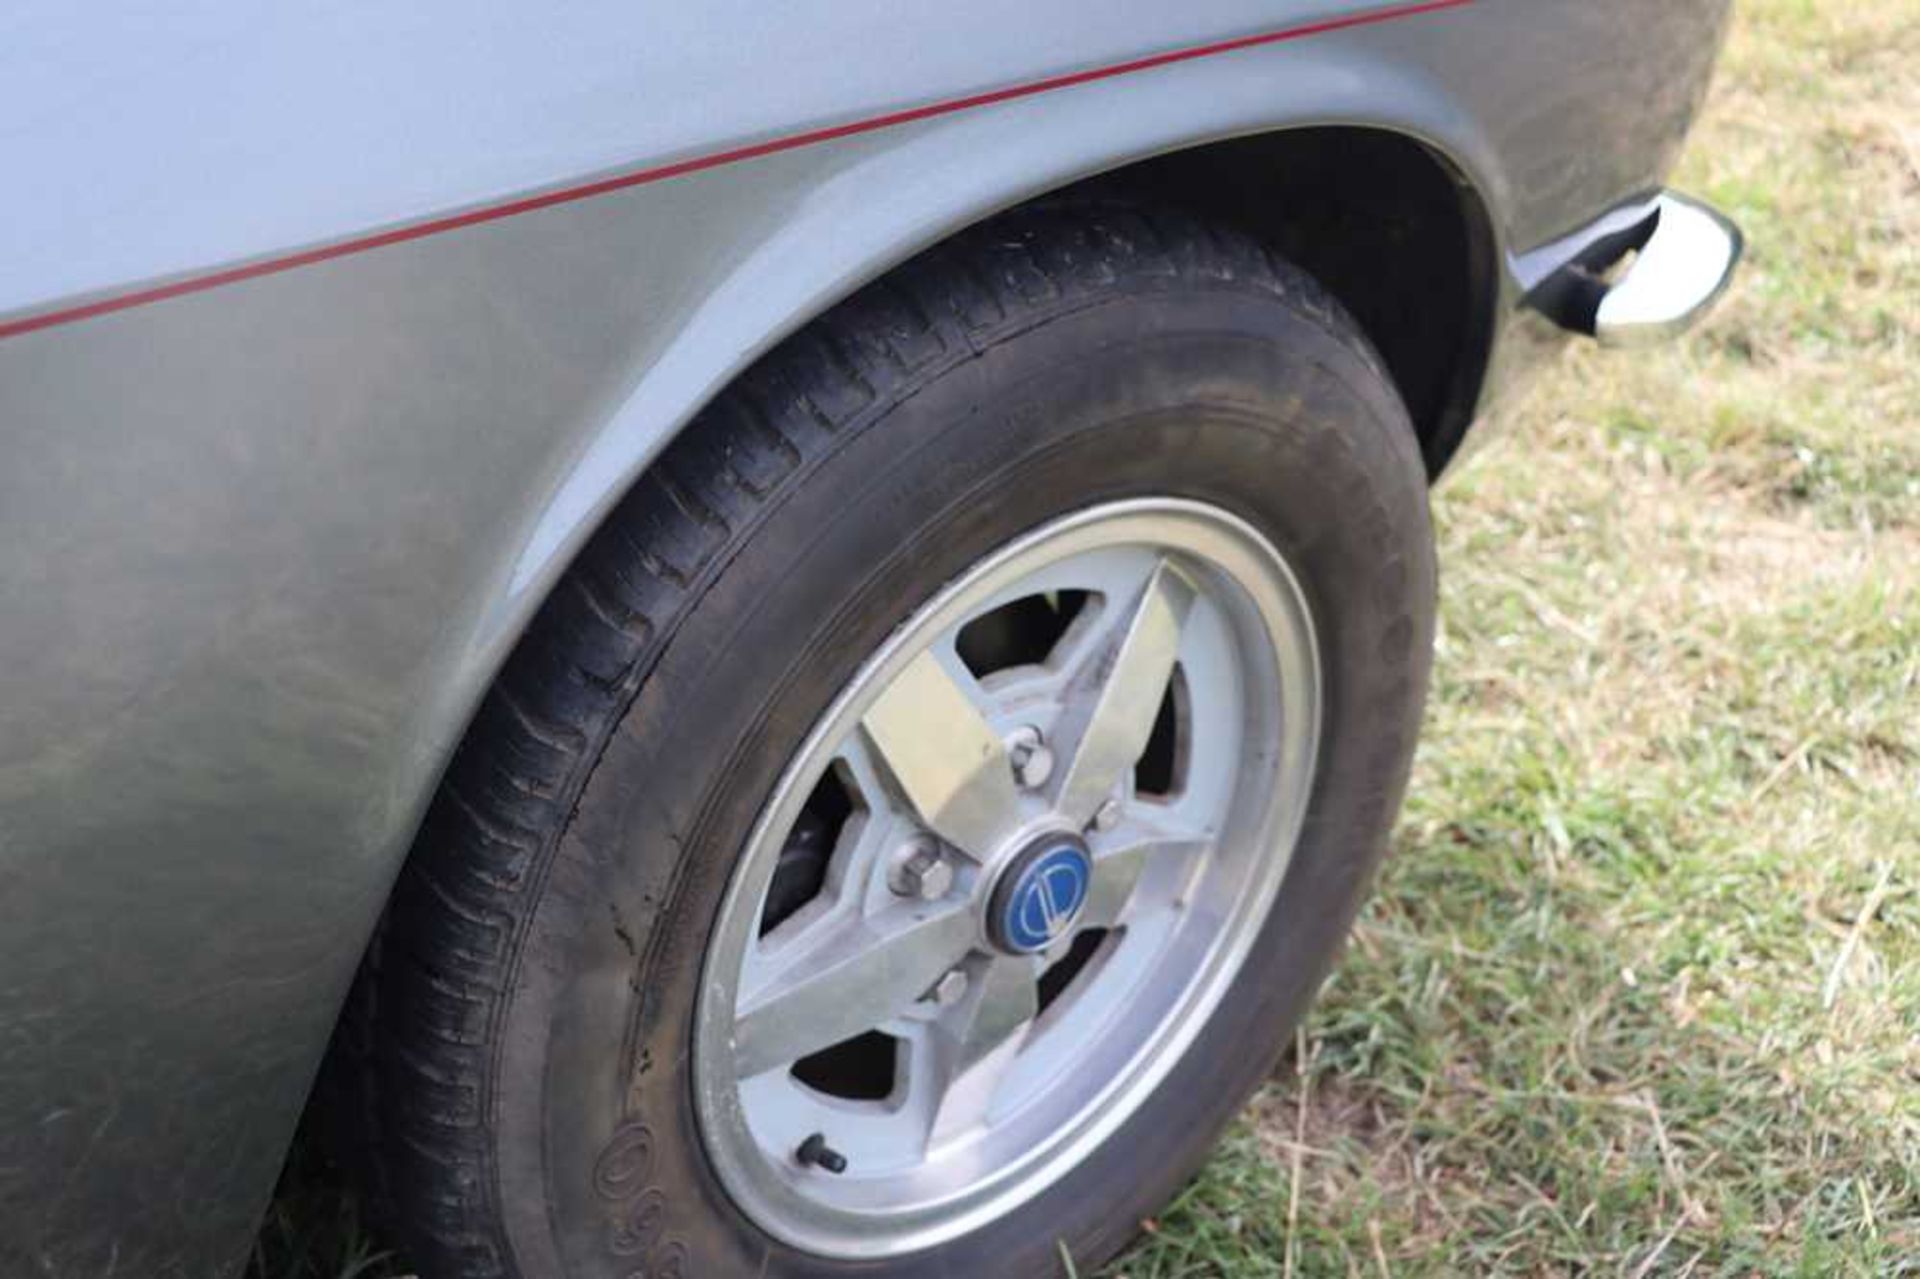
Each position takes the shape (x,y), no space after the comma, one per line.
(714,160)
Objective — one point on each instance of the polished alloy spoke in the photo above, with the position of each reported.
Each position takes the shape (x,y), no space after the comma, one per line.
(1117,871)
(1131,680)
(849,979)
(949,764)
(976,1042)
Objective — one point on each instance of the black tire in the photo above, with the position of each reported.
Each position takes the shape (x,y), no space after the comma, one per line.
(527,1011)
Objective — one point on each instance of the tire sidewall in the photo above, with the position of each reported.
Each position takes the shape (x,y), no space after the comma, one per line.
(1230,397)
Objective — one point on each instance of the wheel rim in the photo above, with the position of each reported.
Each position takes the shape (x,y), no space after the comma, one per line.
(1007,878)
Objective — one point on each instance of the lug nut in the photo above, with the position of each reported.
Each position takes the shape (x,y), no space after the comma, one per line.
(816,1153)
(950,989)
(921,872)
(1031,757)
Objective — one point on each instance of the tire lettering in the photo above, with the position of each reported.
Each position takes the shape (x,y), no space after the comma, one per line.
(626,1163)
(638,1219)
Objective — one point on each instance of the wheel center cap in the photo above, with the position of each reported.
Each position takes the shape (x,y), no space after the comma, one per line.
(1039,896)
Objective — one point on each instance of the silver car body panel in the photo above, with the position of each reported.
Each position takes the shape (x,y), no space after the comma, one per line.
(329,332)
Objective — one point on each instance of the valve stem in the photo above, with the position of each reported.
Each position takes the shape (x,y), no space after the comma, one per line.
(815,1152)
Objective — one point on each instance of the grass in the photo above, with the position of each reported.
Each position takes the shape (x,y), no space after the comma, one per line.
(1640,992)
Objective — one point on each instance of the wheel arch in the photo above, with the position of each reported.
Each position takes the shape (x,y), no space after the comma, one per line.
(1362,204)
(1403,198)
(1401,204)
(1407,182)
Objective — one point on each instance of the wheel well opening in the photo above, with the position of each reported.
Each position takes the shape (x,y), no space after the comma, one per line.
(1388,226)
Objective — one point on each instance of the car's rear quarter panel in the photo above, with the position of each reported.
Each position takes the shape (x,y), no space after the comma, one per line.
(262,545)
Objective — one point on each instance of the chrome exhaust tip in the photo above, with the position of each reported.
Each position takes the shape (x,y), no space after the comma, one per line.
(1685,256)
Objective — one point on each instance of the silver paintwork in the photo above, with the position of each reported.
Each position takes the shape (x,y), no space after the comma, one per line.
(996,1100)
(262,548)
(1675,279)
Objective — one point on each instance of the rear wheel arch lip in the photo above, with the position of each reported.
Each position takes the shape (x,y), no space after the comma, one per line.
(777,286)
(687,376)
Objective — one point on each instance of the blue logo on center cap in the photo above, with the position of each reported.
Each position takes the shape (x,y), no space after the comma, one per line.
(1044,898)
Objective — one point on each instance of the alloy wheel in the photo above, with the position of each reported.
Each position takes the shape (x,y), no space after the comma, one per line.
(1005,880)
